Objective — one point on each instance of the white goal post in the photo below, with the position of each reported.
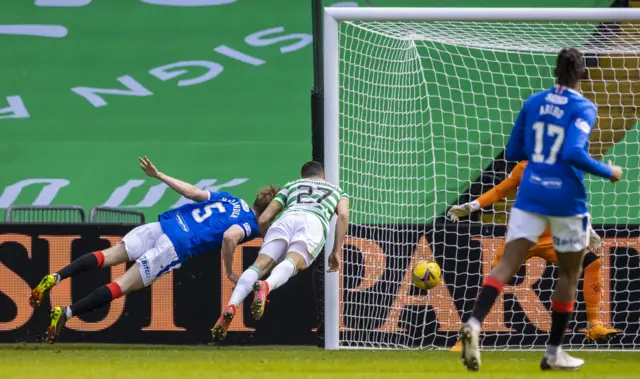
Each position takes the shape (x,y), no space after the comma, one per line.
(418,106)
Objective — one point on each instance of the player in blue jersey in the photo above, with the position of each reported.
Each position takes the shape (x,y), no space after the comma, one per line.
(216,221)
(552,133)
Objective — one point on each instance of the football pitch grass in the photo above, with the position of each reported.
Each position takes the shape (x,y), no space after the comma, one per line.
(77,361)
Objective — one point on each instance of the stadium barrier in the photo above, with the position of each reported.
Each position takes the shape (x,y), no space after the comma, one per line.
(182,307)
(110,215)
(40,214)
(68,214)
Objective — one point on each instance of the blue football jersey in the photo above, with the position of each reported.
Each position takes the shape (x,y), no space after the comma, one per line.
(552,133)
(198,227)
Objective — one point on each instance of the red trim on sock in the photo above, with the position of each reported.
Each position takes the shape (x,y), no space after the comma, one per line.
(493,282)
(562,307)
(115,290)
(100,257)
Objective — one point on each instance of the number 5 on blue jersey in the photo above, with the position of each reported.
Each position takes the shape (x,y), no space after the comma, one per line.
(199,218)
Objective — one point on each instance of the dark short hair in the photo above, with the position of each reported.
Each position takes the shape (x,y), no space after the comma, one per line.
(311,168)
(570,67)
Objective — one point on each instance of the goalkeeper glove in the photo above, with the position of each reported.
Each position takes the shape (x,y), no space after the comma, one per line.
(595,242)
(458,211)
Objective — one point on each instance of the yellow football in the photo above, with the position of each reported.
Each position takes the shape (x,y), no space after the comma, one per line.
(425,275)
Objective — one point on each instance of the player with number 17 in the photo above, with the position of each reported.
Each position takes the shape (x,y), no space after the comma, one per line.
(217,221)
(552,133)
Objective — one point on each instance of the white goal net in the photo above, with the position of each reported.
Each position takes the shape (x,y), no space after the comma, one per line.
(425,111)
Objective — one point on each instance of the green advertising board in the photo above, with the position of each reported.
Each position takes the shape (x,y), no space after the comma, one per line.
(214,92)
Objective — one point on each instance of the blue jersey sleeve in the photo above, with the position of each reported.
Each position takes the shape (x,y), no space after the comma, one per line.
(575,151)
(250,230)
(216,196)
(516,146)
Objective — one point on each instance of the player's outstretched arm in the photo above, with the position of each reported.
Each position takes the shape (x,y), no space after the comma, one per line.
(185,189)
(574,151)
(230,240)
(490,197)
(342,224)
(268,215)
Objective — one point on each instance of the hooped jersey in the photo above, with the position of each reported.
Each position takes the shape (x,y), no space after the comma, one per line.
(199,227)
(315,196)
(552,133)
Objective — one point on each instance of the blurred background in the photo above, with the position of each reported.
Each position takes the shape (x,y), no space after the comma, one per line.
(214,92)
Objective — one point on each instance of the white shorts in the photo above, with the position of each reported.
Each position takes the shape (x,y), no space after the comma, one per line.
(570,234)
(153,250)
(302,232)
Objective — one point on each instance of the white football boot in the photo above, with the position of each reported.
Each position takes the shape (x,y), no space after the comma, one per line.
(470,339)
(561,361)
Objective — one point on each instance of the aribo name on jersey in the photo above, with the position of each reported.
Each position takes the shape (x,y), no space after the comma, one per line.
(552,133)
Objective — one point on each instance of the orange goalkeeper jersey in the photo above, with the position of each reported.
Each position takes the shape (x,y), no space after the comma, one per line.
(504,188)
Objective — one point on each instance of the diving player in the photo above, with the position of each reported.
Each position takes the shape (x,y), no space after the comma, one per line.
(293,241)
(592,264)
(216,221)
(552,133)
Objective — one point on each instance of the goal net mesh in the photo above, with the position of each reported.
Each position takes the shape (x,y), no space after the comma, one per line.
(426,109)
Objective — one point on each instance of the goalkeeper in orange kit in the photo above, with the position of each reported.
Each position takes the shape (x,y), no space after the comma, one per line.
(596,331)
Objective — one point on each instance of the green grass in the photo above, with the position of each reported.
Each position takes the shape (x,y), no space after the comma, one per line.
(25,361)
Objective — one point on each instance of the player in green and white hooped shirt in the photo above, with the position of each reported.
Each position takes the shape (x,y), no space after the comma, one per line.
(305,208)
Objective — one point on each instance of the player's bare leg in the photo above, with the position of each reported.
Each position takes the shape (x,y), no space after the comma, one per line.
(496,260)
(515,252)
(105,258)
(293,263)
(596,330)
(263,265)
(562,303)
(128,282)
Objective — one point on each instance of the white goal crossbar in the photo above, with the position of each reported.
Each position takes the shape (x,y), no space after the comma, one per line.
(394,17)
(479,14)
